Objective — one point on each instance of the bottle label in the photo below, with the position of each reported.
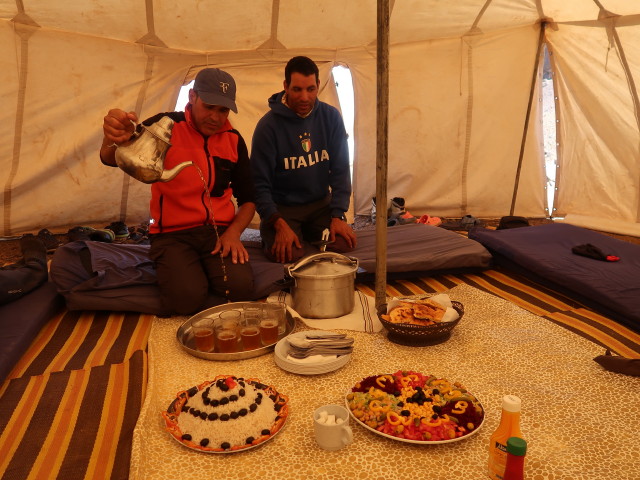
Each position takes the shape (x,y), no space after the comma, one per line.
(498,461)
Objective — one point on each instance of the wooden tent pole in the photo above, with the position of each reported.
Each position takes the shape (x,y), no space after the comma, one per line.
(382,112)
(527,118)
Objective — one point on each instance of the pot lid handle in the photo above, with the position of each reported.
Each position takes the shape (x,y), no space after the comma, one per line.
(333,256)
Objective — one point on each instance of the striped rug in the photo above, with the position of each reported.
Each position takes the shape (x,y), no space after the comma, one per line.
(530,296)
(69,406)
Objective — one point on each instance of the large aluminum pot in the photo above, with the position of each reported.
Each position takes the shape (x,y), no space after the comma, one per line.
(323,285)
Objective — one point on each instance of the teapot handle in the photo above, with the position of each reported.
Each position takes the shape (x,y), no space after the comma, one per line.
(135,133)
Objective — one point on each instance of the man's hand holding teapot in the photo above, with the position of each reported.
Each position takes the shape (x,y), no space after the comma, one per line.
(119,125)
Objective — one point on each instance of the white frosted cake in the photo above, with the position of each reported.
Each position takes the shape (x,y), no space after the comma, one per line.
(226,414)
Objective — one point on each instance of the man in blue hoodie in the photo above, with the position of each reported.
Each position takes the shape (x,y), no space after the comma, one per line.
(300,163)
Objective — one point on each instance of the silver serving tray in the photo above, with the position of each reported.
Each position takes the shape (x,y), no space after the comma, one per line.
(186,341)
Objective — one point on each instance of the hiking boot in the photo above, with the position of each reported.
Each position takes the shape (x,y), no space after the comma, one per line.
(469,221)
(396,209)
(89,233)
(102,235)
(78,233)
(120,230)
(50,242)
(138,235)
(33,247)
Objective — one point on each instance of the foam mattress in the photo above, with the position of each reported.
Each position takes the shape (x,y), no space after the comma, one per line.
(544,253)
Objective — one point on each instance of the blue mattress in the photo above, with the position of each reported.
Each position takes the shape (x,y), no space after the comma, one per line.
(543,253)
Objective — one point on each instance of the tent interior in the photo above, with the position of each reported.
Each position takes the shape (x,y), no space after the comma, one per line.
(464,117)
(82,384)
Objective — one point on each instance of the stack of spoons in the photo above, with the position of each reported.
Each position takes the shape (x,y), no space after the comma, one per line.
(320,344)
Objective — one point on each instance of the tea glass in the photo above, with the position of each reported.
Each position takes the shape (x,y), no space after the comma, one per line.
(203,335)
(227,330)
(252,312)
(273,323)
(277,310)
(250,332)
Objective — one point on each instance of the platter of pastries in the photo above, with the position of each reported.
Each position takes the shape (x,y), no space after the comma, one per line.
(417,312)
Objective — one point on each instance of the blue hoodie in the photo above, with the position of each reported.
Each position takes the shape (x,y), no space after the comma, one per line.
(296,161)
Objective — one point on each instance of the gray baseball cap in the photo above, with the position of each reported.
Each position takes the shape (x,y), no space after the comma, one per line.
(216,87)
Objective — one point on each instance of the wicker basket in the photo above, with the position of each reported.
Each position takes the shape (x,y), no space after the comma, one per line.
(419,335)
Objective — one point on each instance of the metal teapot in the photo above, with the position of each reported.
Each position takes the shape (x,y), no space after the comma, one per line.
(142,157)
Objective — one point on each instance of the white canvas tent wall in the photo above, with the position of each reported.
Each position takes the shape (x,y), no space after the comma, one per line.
(460,78)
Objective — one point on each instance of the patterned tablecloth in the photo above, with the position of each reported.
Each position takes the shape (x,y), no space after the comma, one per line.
(580,421)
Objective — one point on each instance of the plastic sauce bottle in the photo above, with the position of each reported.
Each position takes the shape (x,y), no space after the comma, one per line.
(516,450)
(509,427)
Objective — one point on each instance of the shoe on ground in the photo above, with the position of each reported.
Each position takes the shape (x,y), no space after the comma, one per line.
(403,220)
(469,221)
(88,233)
(78,233)
(50,242)
(429,220)
(120,230)
(33,247)
(397,209)
(138,238)
(406,217)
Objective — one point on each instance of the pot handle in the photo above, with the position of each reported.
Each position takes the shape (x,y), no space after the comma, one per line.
(319,256)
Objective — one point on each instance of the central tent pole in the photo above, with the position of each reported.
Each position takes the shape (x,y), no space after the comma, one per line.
(382,112)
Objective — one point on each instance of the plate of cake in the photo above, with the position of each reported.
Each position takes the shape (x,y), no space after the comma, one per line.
(227,414)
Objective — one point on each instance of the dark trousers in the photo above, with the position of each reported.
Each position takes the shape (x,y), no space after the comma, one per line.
(307,222)
(190,278)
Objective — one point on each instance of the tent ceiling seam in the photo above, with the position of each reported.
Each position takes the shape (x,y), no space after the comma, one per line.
(467,137)
(621,21)
(473,30)
(272,43)
(150,38)
(19,122)
(151,28)
(476,21)
(24,19)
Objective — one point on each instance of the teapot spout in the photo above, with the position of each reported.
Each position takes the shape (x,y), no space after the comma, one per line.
(170,174)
